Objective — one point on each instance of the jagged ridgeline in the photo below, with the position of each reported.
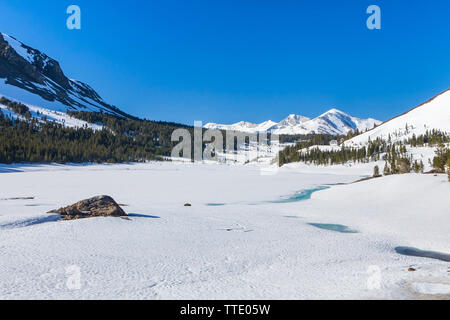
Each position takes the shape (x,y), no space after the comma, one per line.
(28,139)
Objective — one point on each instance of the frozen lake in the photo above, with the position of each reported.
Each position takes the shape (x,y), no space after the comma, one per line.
(222,247)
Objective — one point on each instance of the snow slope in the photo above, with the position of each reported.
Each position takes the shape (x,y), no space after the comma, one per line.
(433,114)
(245,246)
(50,115)
(334,122)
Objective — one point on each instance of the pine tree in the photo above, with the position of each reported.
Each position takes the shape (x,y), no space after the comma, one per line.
(121,140)
(403,165)
(439,161)
(386,170)
(448,169)
(376,172)
(416,166)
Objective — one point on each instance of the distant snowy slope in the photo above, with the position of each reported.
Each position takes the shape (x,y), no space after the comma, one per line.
(240,126)
(31,76)
(243,126)
(334,122)
(40,114)
(343,122)
(433,114)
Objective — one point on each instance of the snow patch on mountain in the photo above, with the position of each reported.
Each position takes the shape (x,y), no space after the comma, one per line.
(44,114)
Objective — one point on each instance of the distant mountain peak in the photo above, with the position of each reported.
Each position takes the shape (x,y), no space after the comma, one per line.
(33,72)
(293,119)
(334,122)
(334,111)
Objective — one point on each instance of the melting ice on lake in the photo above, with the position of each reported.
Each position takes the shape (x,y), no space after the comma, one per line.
(301,195)
(409,251)
(333,227)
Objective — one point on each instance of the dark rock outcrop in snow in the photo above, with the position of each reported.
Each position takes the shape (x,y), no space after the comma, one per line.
(101,206)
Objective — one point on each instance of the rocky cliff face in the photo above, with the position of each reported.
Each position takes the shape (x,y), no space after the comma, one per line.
(31,70)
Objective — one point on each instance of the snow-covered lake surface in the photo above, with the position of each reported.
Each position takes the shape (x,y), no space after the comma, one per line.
(231,249)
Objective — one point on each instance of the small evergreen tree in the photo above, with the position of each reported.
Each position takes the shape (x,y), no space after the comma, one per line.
(416,166)
(403,165)
(386,170)
(376,171)
(448,169)
(440,159)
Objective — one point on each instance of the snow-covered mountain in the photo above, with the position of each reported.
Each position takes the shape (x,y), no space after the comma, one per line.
(334,122)
(28,75)
(243,126)
(433,114)
(293,120)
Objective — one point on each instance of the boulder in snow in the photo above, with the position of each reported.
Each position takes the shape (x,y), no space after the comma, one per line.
(100,206)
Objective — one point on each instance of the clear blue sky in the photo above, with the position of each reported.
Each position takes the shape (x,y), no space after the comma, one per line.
(231,60)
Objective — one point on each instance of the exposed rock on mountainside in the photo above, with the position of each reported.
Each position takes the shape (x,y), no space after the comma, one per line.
(101,206)
(33,71)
